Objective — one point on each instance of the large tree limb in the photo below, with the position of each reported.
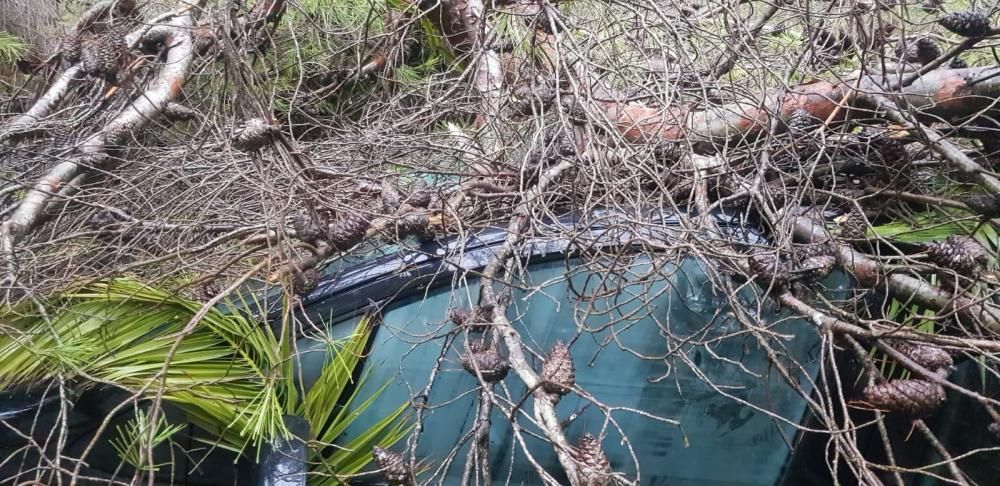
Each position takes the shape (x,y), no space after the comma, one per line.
(945,94)
(163,89)
(25,122)
(45,105)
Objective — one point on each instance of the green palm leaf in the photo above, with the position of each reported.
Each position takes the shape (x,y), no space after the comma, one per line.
(231,376)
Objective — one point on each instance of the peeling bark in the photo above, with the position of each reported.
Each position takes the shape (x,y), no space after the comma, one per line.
(945,94)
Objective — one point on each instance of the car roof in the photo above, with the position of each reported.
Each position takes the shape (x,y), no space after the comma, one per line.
(354,284)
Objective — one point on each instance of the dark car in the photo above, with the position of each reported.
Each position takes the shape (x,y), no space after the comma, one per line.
(686,395)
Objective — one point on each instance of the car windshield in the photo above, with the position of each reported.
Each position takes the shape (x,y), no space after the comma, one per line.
(709,412)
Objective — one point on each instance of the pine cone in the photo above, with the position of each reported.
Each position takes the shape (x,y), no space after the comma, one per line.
(421,195)
(62,136)
(307,228)
(921,50)
(348,232)
(459,315)
(304,282)
(125,8)
(958,63)
(69,47)
(103,219)
(800,123)
(176,112)
(715,96)
(558,374)
(491,364)
(916,398)
(863,6)
(117,135)
(967,24)
(205,292)
(854,227)
(393,466)
(931,357)
(391,199)
(414,224)
(769,271)
(962,254)
(102,58)
(667,151)
(884,150)
(813,250)
(815,268)
(986,205)
(593,465)
(204,40)
(831,47)
(99,57)
(253,135)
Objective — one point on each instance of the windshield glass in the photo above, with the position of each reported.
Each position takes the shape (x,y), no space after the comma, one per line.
(686,433)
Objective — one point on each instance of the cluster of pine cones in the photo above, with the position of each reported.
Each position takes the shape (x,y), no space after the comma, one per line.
(99,46)
(914,397)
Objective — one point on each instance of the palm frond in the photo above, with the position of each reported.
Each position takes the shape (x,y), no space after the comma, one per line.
(231,376)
